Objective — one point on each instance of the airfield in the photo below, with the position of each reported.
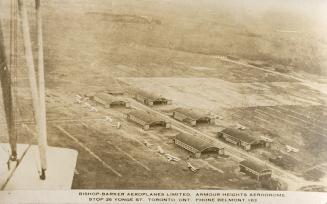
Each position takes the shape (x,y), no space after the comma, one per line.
(131,49)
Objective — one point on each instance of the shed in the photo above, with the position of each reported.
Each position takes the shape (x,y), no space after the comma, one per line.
(151,99)
(147,119)
(197,145)
(191,116)
(253,169)
(109,101)
(241,138)
(114,88)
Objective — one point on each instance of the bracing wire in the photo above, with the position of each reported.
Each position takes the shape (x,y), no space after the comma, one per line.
(16,108)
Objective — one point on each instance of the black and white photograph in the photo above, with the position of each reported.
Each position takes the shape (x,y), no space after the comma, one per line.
(163,95)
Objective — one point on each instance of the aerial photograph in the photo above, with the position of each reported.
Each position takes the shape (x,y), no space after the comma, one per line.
(163,94)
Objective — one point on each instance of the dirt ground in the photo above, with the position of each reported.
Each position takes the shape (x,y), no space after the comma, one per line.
(123,149)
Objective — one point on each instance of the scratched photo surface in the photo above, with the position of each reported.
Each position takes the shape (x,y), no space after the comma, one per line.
(165,94)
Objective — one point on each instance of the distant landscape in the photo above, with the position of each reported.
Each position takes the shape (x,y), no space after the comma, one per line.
(289,33)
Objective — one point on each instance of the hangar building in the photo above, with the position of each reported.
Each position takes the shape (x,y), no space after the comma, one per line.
(197,146)
(146,119)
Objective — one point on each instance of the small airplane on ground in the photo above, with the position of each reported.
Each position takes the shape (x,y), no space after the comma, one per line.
(266,139)
(291,149)
(147,144)
(92,108)
(172,158)
(241,127)
(118,125)
(192,168)
(86,104)
(78,99)
(221,57)
(160,150)
(110,120)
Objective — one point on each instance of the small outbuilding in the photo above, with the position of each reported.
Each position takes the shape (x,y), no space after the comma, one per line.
(108,100)
(191,117)
(151,99)
(115,92)
(113,87)
(146,119)
(253,169)
(242,138)
(197,146)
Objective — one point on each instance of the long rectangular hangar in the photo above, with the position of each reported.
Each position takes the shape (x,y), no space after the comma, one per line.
(146,119)
(242,139)
(197,146)
(191,117)
(108,100)
(151,99)
(254,170)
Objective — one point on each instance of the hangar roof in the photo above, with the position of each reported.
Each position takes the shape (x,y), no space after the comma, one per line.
(254,166)
(240,134)
(195,141)
(146,116)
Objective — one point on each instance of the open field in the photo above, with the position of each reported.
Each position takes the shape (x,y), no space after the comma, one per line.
(107,154)
(302,128)
(216,94)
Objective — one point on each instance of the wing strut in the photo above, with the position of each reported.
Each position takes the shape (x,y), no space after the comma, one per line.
(38,106)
